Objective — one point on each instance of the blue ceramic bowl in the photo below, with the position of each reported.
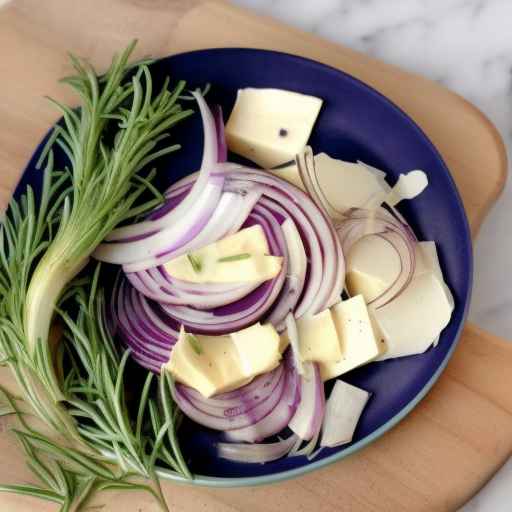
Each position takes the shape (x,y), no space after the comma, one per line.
(356,123)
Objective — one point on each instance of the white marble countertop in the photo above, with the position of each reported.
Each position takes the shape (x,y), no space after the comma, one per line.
(466,45)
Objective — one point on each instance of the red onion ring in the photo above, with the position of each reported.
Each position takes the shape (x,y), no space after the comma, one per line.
(317,232)
(209,159)
(236,416)
(307,420)
(360,223)
(165,241)
(278,418)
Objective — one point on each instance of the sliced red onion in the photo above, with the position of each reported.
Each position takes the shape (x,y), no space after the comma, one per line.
(307,171)
(311,241)
(231,206)
(152,313)
(145,327)
(293,337)
(134,335)
(171,202)
(222,147)
(280,416)
(306,165)
(157,285)
(252,197)
(250,308)
(209,160)
(152,285)
(167,240)
(149,336)
(360,223)
(237,416)
(242,406)
(231,317)
(255,453)
(308,417)
(317,232)
(180,286)
(339,282)
(231,212)
(295,279)
(307,450)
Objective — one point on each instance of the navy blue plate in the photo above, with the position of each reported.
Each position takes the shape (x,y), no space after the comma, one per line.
(356,123)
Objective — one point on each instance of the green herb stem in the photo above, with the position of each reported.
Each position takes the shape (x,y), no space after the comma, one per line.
(235,257)
(109,141)
(194,343)
(195,263)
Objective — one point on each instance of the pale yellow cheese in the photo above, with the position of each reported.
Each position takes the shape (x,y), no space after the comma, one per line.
(430,262)
(255,265)
(251,240)
(412,322)
(258,347)
(270,126)
(408,186)
(427,260)
(373,265)
(318,340)
(356,338)
(215,369)
(345,185)
(341,185)
(289,173)
(216,364)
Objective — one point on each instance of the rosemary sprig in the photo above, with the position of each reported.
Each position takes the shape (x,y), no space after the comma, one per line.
(126,448)
(104,177)
(96,390)
(44,243)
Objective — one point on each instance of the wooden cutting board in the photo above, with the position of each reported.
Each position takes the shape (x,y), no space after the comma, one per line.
(461,433)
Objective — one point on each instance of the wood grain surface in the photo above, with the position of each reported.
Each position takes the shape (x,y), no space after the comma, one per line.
(461,433)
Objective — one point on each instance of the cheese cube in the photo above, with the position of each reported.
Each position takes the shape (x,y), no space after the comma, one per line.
(318,340)
(270,126)
(211,367)
(373,265)
(357,340)
(258,348)
(239,258)
(412,322)
(216,364)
